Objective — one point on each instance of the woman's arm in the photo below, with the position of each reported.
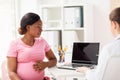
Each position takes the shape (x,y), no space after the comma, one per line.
(12,68)
(52,59)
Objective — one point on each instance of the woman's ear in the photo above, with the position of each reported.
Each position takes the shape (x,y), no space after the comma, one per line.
(114,24)
(28,27)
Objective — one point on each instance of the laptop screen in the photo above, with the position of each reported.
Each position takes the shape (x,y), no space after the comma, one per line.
(85,52)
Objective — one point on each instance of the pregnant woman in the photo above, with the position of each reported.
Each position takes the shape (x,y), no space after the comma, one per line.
(25,55)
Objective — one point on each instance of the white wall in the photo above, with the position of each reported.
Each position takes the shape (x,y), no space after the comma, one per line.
(101,21)
(7,25)
(101,10)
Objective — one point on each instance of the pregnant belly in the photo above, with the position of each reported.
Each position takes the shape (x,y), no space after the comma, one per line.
(26,72)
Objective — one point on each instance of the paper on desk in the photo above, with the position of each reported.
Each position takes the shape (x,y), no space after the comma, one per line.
(60,73)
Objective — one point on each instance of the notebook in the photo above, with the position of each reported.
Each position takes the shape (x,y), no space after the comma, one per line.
(83,54)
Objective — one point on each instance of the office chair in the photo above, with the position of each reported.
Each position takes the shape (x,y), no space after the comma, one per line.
(4,72)
(112,70)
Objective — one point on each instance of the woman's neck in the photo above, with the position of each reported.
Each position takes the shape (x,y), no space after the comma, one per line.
(28,40)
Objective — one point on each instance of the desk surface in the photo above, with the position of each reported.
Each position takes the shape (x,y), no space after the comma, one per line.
(64,74)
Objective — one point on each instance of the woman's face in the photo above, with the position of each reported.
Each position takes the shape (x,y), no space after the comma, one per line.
(35,29)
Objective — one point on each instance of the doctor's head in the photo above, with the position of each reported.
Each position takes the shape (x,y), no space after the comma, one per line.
(115,21)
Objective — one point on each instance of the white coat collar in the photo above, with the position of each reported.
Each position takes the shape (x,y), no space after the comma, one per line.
(117,37)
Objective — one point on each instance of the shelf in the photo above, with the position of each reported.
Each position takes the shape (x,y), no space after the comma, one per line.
(50,21)
(51,13)
(75,19)
(73,29)
(51,17)
(51,2)
(68,22)
(52,29)
(72,4)
(51,6)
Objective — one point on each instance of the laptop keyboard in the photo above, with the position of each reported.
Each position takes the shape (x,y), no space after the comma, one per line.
(80,65)
(74,66)
(69,68)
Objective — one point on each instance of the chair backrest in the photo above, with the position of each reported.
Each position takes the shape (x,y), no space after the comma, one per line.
(112,70)
(4,70)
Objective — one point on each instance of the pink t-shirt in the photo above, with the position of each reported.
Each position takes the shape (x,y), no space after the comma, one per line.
(27,56)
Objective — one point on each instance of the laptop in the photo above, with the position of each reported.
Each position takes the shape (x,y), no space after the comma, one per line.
(83,54)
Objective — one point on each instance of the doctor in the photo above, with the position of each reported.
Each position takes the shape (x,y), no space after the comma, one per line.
(111,49)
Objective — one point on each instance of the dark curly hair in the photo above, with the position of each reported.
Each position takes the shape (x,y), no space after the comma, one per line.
(27,19)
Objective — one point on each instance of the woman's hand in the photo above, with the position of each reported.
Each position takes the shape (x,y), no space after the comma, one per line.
(40,65)
(82,69)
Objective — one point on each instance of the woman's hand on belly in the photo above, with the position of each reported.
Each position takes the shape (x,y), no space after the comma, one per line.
(40,65)
(27,72)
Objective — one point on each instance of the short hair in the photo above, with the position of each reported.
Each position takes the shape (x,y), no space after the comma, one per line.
(27,19)
(115,15)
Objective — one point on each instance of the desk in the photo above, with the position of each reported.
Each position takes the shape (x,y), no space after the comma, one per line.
(64,74)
